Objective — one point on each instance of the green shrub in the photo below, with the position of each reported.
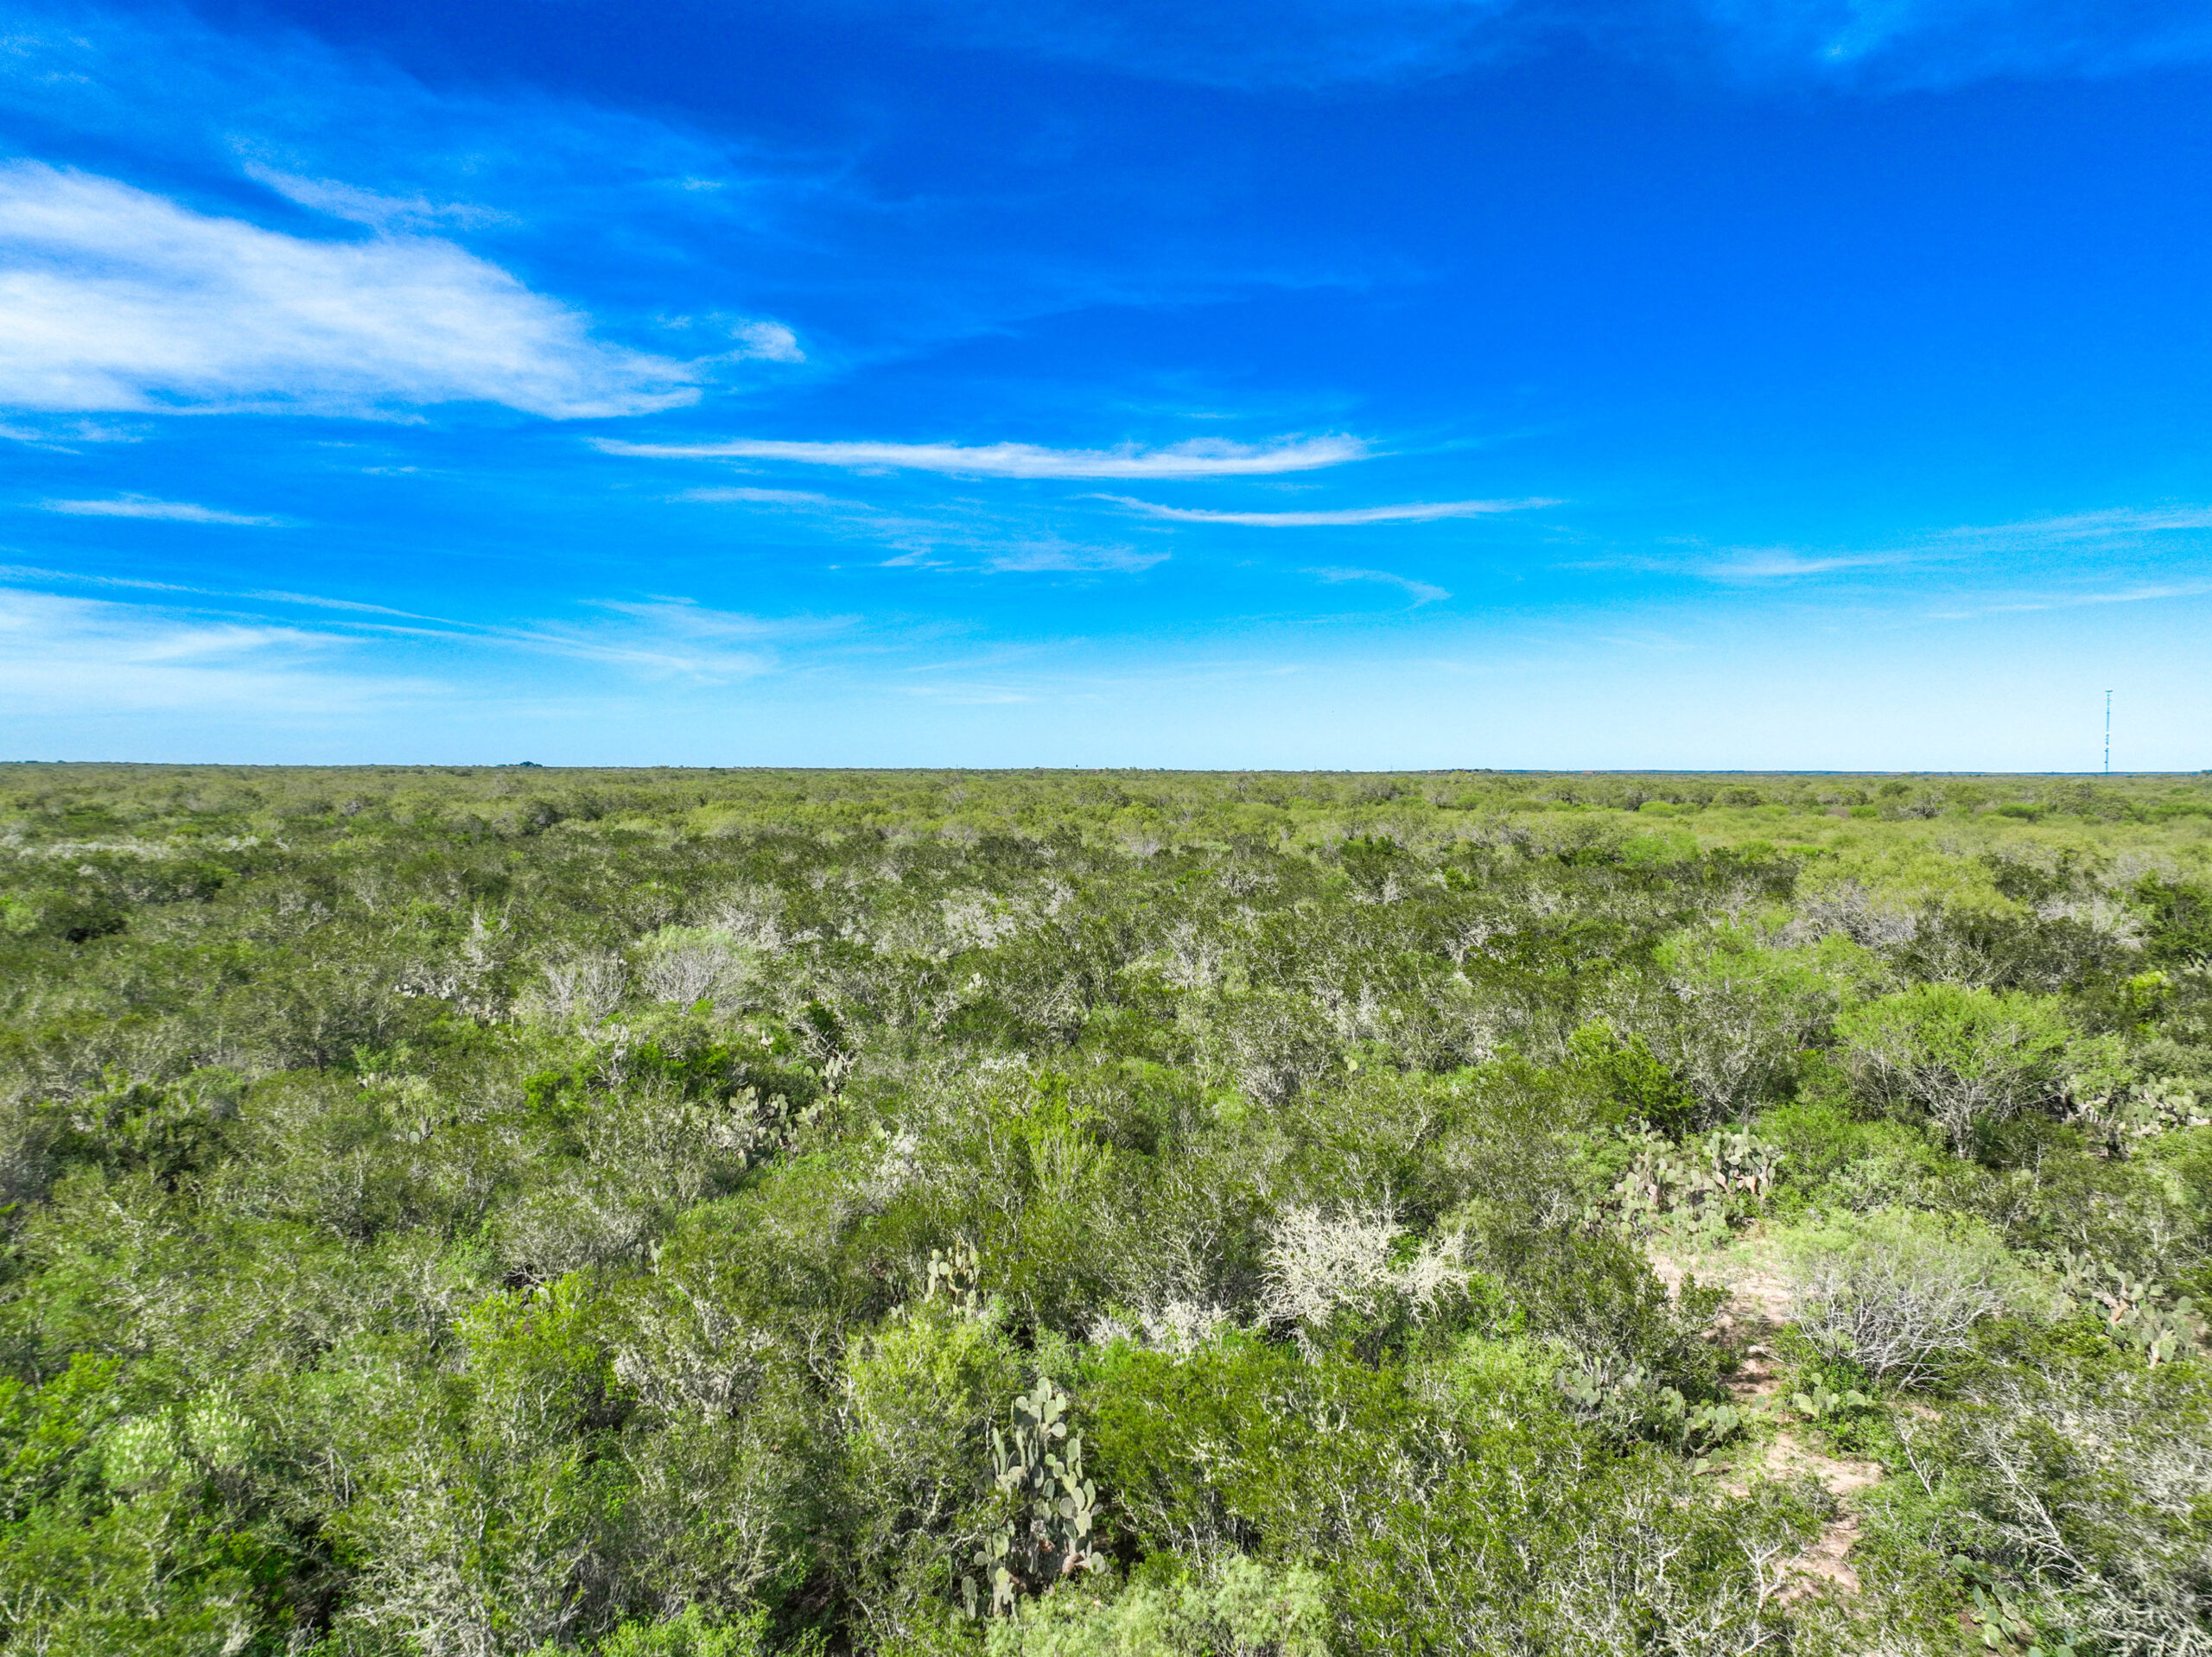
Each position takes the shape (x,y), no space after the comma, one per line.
(1969,1058)
(692,1634)
(1898,1296)
(1238,1609)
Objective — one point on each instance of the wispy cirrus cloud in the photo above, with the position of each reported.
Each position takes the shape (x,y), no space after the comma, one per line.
(2110,530)
(117,299)
(661,639)
(1202,458)
(178,511)
(67,656)
(803,498)
(966,536)
(1406,512)
(250,595)
(61,653)
(1420,591)
(1900,44)
(2110,523)
(1785,563)
(1879,46)
(2142,592)
(691,620)
(63,436)
(185,647)
(1052,557)
(374,208)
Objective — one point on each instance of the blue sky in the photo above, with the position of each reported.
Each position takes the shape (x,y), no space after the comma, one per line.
(1659,382)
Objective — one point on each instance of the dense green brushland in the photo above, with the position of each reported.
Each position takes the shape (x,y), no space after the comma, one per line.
(650,1213)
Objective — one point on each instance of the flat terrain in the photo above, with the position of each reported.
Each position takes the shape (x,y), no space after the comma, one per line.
(692,1213)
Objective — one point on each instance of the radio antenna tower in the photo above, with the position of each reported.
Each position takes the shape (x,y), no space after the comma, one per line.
(2107,732)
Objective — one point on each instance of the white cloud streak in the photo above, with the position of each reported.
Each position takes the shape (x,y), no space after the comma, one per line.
(111,298)
(1869,44)
(1781,563)
(63,436)
(179,511)
(2141,594)
(1059,558)
(1421,592)
(2113,523)
(676,637)
(801,497)
(941,542)
(1207,459)
(372,207)
(2108,530)
(1420,512)
(68,656)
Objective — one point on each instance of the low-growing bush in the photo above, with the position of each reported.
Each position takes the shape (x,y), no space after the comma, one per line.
(1968,1058)
(1898,1296)
(1238,1609)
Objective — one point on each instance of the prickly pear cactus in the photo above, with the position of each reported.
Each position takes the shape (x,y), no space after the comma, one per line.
(1047,1535)
(2136,1312)
(954,1274)
(1705,1184)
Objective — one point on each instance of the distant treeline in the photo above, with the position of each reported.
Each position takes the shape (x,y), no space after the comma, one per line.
(93,799)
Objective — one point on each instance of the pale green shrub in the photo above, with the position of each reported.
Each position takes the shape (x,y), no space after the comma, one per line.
(1242,1610)
(1965,1057)
(1899,1294)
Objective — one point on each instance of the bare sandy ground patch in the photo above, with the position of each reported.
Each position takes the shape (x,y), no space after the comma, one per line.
(1759,1307)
